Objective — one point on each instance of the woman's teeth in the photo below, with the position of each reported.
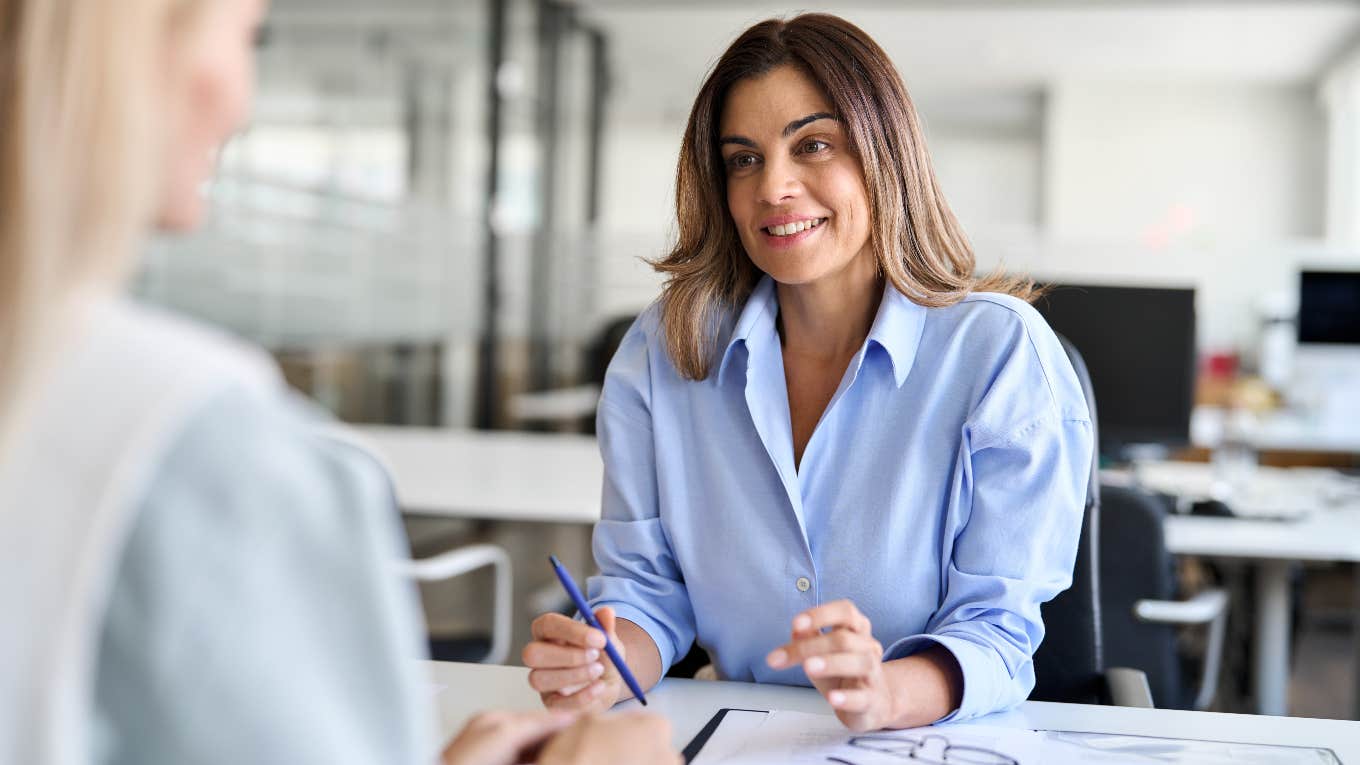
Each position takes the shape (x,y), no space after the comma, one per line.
(789,229)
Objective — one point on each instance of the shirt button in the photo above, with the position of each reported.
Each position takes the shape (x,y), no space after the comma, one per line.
(803,584)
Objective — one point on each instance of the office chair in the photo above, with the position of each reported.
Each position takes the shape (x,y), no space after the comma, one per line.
(1069,665)
(446,565)
(574,405)
(1138,592)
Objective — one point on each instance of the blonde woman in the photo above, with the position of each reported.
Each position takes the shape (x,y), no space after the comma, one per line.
(189,574)
(833,455)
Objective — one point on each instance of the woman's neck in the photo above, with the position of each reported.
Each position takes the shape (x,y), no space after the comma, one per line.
(830,318)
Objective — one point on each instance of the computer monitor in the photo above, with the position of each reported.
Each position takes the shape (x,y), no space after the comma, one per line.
(1329,307)
(1139,347)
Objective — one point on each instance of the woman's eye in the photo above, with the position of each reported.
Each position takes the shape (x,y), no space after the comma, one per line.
(814,146)
(741,161)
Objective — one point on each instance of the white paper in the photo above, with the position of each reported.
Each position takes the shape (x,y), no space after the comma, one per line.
(798,738)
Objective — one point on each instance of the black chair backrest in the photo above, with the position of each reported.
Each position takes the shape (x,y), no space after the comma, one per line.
(1134,565)
(606,343)
(1070,664)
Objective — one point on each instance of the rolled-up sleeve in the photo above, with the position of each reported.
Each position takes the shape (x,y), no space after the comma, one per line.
(639,576)
(1023,495)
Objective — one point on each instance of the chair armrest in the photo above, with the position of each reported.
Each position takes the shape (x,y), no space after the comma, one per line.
(1128,687)
(1208,607)
(460,561)
(1201,609)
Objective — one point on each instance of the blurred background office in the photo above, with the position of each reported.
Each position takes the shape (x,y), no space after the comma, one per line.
(439,216)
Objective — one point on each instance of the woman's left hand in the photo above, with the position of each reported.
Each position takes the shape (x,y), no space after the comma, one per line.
(844,663)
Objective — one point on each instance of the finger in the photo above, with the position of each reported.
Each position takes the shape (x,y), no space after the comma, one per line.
(852,700)
(505,736)
(607,619)
(559,629)
(540,654)
(820,644)
(579,701)
(843,665)
(524,729)
(833,615)
(543,680)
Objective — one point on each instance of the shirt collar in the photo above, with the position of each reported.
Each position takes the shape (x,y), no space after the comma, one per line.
(755,323)
(896,329)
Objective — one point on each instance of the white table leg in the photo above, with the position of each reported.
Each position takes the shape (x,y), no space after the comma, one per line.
(1272,637)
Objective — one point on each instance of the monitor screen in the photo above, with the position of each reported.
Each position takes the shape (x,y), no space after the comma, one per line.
(1329,307)
(1139,347)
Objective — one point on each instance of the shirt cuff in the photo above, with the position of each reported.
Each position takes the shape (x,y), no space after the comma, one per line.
(977,664)
(659,634)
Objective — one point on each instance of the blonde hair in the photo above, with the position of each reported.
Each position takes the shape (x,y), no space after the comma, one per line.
(918,243)
(79,167)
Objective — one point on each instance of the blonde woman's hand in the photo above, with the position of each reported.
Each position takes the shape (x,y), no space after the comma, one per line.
(569,667)
(503,738)
(628,738)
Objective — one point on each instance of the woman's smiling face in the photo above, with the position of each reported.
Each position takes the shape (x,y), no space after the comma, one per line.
(794,187)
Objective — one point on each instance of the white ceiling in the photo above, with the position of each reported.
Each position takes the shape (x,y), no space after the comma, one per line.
(661,49)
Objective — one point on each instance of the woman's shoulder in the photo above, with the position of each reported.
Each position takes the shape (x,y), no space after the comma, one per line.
(253,454)
(996,322)
(1010,339)
(995,310)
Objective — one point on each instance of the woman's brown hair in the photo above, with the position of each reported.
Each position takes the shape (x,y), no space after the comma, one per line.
(918,243)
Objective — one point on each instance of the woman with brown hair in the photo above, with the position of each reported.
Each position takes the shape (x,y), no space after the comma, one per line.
(828,436)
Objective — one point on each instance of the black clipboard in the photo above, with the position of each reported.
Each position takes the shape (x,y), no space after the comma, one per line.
(696,744)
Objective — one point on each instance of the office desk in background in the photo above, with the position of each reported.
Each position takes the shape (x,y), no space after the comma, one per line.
(1281,431)
(491,475)
(1326,529)
(465,689)
(1271,548)
(555,477)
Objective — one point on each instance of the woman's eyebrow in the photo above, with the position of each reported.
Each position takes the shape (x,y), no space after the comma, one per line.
(789,129)
(737,139)
(793,127)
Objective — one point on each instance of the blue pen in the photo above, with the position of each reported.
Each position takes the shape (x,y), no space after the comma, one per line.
(581,605)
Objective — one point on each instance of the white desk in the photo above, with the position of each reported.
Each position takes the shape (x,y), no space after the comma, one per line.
(1284,431)
(688,704)
(491,475)
(1326,533)
(1270,547)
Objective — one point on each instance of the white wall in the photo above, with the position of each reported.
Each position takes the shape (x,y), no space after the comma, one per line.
(1241,161)
(637,212)
(1217,185)
(992,181)
(1340,96)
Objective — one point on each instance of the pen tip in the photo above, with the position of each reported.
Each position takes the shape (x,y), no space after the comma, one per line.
(644,702)
(553,560)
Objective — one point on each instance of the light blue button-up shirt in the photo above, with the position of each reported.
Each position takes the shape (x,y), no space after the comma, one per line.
(941,492)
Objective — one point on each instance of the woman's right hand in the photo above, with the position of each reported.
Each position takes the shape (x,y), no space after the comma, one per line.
(628,738)
(569,667)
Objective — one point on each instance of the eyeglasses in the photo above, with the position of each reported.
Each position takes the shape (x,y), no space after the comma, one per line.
(929,749)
